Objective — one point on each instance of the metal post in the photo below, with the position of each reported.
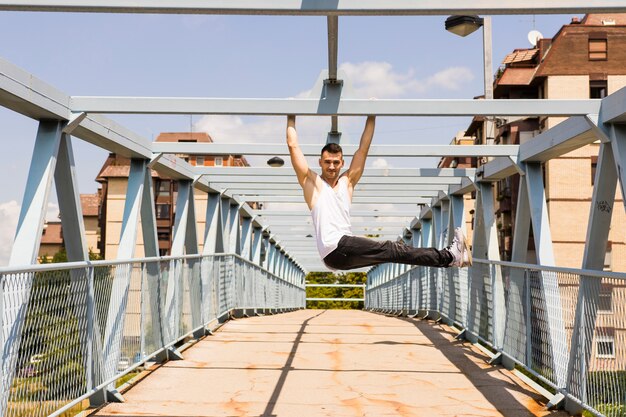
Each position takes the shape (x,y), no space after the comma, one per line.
(600,215)
(257,240)
(234,231)
(246,237)
(26,247)
(121,282)
(517,332)
(551,295)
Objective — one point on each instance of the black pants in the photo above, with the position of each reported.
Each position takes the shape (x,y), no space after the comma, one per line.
(357,252)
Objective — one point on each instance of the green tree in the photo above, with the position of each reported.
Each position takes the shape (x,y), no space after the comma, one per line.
(335,292)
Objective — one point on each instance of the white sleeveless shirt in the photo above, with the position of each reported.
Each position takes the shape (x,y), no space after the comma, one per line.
(331,216)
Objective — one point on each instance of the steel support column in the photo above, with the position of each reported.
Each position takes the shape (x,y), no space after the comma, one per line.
(600,216)
(25,249)
(121,282)
(551,295)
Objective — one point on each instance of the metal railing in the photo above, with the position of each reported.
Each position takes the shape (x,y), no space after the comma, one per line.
(70,331)
(564,327)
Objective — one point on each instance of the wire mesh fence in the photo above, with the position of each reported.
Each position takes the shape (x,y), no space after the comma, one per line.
(70,332)
(565,327)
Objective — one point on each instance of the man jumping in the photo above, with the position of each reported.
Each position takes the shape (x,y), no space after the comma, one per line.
(329,198)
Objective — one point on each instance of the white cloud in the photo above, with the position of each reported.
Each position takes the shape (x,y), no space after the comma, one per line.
(451,78)
(381,80)
(9,216)
(380,163)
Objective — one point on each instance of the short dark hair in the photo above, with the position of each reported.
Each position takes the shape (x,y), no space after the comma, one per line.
(332,148)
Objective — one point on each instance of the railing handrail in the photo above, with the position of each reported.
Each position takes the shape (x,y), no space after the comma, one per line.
(583,272)
(62,266)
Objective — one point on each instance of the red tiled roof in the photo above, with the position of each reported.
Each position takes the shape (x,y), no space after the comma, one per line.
(89,204)
(52,233)
(517,76)
(523,55)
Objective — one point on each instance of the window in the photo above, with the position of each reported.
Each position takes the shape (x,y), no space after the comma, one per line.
(163,187)
(605,302)
(163,235)
(597,88)
(200,160)
(219,161)
(597,49)
(594,168)
(605,345)
(163,211)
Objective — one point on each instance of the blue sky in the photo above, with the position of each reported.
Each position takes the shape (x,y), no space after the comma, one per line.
(240,56)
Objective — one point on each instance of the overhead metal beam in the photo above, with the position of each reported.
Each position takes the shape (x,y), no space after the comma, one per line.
(216,171)
(247,194)
(565,137)
(333,105)
(269,149)
(498,169)
(253,180)
(294,188)
(354,213)
(614,107)
(356,200)
(318,8)
(307,222)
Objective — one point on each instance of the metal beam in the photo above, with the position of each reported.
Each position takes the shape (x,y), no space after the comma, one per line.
(565,137)
(497,169)
(354,213)
(241,179)
(414,192)
(217,171)
(318,8)
(614,107)
(307,222)
(331,106)
(293,188)
(356,200)
(268,149)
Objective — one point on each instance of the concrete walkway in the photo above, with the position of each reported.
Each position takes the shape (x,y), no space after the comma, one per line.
(330,363)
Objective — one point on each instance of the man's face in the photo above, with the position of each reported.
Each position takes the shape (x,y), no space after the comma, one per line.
(331,164)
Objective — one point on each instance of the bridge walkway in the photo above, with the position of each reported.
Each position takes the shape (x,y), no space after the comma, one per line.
(330,363)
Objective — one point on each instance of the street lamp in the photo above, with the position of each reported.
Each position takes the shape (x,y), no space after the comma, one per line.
(275,162)
(464,25)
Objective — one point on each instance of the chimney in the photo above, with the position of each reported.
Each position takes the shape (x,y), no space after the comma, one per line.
(575,20)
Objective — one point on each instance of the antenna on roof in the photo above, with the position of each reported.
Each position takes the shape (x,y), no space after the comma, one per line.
(534,36)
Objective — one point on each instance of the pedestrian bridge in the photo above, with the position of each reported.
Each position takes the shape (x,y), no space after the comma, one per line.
(330,363)
(494,339)
(499,338)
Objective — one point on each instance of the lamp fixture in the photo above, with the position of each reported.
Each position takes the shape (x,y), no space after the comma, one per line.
(276,162)
(463,25)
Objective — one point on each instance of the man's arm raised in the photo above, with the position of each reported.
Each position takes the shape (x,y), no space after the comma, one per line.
(358,160)
(298,161)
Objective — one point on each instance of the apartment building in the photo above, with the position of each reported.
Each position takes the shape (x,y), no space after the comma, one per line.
(52,236)
(584,59)
(113,178)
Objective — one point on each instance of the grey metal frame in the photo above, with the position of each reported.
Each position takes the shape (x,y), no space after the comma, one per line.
(61,115)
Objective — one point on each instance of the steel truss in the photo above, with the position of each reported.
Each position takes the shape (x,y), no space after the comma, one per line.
(232,226)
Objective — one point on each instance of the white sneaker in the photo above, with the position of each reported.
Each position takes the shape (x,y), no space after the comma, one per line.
(459,250)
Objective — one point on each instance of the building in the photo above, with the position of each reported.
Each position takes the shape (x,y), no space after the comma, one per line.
(113,178)
(585,59)
(52,236)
